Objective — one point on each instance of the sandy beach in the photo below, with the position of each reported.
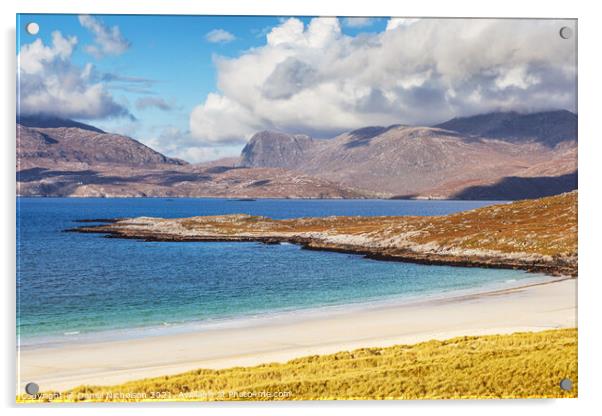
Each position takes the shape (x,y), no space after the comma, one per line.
(529,308)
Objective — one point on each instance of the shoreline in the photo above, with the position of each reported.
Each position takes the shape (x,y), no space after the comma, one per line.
(295,314)
(533,307)
(557,268)
(261,198)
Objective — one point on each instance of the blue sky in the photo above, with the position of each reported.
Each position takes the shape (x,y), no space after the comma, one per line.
(155,78)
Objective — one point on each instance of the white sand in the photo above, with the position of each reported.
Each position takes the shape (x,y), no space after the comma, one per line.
(532,308)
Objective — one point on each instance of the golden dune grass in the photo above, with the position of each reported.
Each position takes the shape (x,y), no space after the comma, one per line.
(520,365)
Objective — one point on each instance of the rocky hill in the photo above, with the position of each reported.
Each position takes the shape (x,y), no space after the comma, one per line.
(84,146)
(549,128)
(446,161)
(275,149)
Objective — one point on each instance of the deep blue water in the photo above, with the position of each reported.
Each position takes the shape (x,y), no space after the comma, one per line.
(71,283)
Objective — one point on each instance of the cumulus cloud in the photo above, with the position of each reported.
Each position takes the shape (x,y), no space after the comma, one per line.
(222,120)
(50,84)
(358,22)
(143,103)
(219,36)
(107,40)
(175,142)
(288,78)
(315,79)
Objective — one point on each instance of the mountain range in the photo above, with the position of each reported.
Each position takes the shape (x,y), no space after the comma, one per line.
(74,159)
(504,155)
(493,156)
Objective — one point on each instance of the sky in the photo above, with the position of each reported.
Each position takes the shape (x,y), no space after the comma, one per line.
(198,87)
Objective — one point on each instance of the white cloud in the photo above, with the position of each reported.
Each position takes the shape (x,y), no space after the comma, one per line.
(219,36)
(48,83)
(358,22)
(289,31)
(315,79)
(174,142)
(107,40)
(36,55)
(517,77)
(221,120)
(395,22)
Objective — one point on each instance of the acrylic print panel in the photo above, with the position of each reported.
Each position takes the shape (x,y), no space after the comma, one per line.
(300,208)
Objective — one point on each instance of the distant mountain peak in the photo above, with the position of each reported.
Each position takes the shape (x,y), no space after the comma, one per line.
(269,148)
(67,141)
(47,121)
(547,127)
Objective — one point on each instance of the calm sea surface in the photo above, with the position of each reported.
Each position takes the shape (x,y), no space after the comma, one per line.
(72,286)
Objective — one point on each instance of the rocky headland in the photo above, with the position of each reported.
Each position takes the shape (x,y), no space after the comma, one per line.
(538,235)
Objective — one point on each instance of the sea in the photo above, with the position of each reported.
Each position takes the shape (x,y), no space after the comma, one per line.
(74,287)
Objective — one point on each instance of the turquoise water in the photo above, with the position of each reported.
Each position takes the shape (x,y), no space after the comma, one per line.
(72,285)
